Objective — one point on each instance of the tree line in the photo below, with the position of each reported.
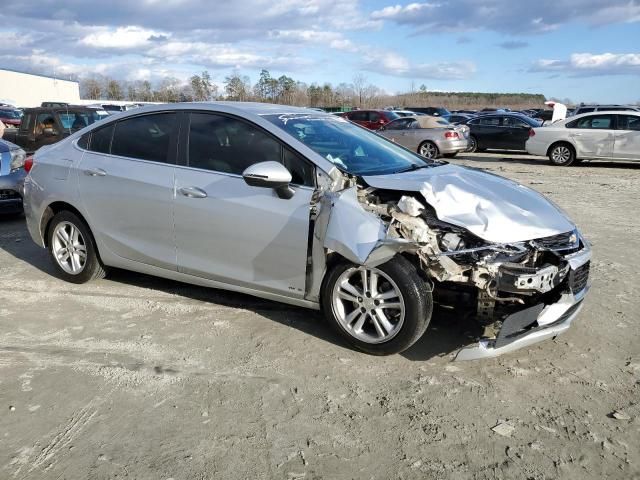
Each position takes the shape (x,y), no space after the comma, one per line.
(236,86)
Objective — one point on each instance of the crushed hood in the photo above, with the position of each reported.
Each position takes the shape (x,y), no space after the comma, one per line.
(491,207)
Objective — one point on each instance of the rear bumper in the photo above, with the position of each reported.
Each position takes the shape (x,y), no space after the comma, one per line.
(453,146)
(535,147)
(549,320)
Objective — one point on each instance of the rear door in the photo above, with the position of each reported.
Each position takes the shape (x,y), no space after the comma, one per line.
(516,133)
(126,181)
(231,232)
(593,135)
(627,137)
(489,131)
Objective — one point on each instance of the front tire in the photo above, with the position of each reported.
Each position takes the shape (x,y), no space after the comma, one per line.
(473,145)
(562,155)
(380,311)
(72,249)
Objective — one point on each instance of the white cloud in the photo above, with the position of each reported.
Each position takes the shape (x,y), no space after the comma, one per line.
(589,64)
(394,64)
(129,37)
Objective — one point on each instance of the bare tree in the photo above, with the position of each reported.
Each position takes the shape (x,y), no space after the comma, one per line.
(114,90)
(91,88)
(359,85)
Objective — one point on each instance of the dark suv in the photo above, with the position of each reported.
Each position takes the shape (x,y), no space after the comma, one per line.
(371,119)
(433,111)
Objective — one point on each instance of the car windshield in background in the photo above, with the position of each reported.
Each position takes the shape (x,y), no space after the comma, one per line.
(77,120)
(348,146)
(12,114)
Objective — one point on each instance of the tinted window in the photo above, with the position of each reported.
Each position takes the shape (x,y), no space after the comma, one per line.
(514,122)
(83,141)
(302,171)
(224,144)
(490,121)
(76,120)
(596,122)
(374,117)
(629,122)
(101,139)
(146,138)
(44,120)
(26,121)
(586,110)
(359,116)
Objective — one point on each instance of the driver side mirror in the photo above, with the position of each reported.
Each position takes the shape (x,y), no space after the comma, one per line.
(270,175)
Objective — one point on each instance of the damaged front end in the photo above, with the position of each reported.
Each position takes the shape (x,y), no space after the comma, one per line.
(521,292)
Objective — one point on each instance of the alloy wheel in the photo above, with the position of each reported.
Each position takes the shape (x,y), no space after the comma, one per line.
(368,304)
(561,154)
(428,150)
(69,248)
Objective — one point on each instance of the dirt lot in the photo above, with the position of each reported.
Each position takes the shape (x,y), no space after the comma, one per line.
(136,377)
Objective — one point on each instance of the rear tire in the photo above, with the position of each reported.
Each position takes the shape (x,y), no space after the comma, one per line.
(562,154)
(72,249)
(380,311)
(473,145)
(429,150)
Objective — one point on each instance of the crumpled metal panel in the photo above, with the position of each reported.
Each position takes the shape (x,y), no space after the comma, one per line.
(358,235)
(491,207)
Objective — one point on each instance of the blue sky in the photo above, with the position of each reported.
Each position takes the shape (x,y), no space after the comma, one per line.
(585,50)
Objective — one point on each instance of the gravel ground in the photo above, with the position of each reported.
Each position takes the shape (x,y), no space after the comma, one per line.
(137,377)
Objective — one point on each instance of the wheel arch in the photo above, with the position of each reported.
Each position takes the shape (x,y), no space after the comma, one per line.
(51,211)
(563,142)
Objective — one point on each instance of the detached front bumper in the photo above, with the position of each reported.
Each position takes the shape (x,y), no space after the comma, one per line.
(539,322)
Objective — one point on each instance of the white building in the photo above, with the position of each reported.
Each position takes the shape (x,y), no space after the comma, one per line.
(29,90)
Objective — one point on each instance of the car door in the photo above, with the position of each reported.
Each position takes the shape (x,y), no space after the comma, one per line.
(489,131)
(229,231)
(360,117)
(516,133)
(126,181)
(396,131)
(593,136)
(627,137)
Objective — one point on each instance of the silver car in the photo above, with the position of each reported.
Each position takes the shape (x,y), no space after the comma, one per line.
(429,136)
(605,136)
(306,208)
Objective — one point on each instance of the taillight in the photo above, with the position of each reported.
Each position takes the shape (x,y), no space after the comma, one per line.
(451,134)
(28,164)
(532,132)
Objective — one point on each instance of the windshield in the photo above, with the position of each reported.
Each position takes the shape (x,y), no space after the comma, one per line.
(12,114)
(351,148)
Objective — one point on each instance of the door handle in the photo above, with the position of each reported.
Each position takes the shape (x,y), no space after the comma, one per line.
(95,172)
(193,192)
(576,134)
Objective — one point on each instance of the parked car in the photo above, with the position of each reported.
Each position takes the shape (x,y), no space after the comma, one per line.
(610,136)
(371,119)
(407,113)
(12,173)
(433,111)
(46,125)
(460,118)
(604,108)
(431,137)
(508,131)
(11,117)
(309,209)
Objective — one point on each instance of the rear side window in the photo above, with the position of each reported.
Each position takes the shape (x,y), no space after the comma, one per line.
(629,122)
(101,139)
(490,121)
(26,122)
(359,116)
(593,122)
(146,138)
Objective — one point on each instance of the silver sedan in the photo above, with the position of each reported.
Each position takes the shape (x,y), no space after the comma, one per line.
(306,208)
(431,137)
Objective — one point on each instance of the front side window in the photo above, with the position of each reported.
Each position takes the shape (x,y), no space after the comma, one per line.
(513,122)
(629,122)
(146,137)
(228,145)
(349,147)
